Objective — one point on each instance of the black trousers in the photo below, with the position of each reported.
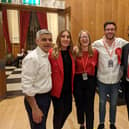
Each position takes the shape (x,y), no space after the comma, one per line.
(43,101)
(84,92)
(62,108)
(127,96)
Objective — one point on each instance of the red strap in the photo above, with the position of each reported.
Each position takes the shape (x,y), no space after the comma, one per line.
(110,54)
(84,63)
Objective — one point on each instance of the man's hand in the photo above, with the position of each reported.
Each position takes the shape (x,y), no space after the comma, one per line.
(37,115)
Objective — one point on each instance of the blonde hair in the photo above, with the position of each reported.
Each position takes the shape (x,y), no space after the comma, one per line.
(90,50)
(57,46)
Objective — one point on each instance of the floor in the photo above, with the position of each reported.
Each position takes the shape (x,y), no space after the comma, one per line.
(14,116)
(13,80)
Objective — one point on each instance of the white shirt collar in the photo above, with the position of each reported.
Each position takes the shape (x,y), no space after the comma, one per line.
(41,52)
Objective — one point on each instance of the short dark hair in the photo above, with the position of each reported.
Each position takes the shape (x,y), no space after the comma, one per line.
(109,22)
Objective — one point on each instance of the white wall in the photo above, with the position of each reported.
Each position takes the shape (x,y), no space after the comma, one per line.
(13,25)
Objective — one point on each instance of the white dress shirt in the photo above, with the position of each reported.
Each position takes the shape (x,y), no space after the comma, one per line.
(106,74)
(36,73)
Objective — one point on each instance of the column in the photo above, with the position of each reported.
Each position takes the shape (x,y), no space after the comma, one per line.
(2,62)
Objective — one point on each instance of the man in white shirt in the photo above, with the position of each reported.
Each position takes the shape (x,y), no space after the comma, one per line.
(108,73)
(36,80)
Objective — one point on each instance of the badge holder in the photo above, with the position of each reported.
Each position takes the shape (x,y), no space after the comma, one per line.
(110,63)
(84,76)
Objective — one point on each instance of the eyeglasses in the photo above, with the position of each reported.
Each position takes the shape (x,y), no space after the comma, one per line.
(82,37)
(46,39)
(111,29)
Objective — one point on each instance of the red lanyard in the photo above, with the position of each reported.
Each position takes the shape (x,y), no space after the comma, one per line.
(84,63)
(110,54)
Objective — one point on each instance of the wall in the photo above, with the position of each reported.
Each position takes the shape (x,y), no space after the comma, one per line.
(13,23)
(91,15)
(15,49)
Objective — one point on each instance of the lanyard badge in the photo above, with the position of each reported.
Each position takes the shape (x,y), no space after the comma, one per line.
(110,61)
(84,75)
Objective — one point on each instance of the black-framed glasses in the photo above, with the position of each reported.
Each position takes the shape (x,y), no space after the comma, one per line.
(111,29)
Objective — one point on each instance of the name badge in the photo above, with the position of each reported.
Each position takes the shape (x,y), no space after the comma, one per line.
(110,63)
(84,76)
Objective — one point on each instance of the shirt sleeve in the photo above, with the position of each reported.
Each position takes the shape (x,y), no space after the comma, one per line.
(29,73)
(123,42)
(95,45)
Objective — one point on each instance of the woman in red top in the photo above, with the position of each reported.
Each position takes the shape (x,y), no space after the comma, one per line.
(84,83)
(63,70)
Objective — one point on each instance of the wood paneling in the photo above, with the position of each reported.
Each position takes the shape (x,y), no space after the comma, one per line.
(30,7)
(2,62)
(15,49)
(76,18)
(91,15)
(2,84)
(126,25)
(2,41)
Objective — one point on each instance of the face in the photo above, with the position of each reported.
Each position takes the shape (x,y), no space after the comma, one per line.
(45,42)
(65,40)
(22,50)
(110,31)
(84,39)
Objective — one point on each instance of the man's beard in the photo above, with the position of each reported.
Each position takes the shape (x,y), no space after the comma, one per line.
(110,38)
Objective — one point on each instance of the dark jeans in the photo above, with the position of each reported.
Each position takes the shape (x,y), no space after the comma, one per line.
(62,108)
(84,93)
(112,91)
(43,101)
(127,95)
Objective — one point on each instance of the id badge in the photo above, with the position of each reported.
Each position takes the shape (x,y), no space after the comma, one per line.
(84,76)
(110,63)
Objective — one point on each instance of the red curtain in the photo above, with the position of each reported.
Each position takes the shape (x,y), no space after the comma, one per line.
(6,31)
(42,19)
(24,24)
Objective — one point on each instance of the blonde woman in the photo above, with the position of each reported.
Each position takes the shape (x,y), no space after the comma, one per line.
(84,83)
